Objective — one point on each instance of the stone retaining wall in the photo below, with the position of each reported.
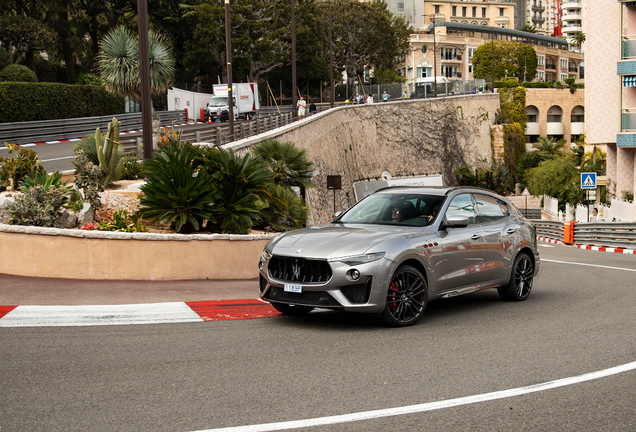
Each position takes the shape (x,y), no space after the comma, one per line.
(77,254)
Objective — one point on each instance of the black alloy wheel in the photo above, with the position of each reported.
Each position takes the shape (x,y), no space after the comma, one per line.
(292,310)
(520,285)
(406,297)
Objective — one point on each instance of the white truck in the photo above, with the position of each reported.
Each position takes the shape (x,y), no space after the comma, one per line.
(246,102)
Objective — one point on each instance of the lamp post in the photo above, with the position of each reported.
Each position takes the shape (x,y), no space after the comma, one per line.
(432,18)
(144,70)
(293,58)
(228,59)
(331,84)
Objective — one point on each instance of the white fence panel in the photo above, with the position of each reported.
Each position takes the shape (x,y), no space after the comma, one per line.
(607,214)
(569,213)
(581,213)
(622,210)
(551,205)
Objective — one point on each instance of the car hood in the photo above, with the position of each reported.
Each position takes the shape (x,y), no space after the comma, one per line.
(335,240)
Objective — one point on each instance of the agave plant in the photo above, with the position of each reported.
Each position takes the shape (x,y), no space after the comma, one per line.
(46,181)
(175,192)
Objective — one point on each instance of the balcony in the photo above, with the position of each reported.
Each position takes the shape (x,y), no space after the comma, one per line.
(628,49)
(628,121)
(538,7)
(577,128)
(626,139)
(502,20)
(572,69)
(538,20)
(554,129)
(573,16)
(550,66)
(571,4)
(533,128)
(449,57)
(438,17)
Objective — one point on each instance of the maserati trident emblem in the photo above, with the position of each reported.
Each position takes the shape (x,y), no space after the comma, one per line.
(296,271)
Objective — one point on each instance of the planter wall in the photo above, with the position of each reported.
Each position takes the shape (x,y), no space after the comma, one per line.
(77,254)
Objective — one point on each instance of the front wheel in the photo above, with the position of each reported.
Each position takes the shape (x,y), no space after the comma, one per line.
(520,285)
(293,310)
(406,297)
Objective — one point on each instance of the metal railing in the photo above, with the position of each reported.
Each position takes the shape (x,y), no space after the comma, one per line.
(549,229)
(53,130)
(614,234)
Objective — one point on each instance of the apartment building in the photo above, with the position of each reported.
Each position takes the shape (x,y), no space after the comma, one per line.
(610,95)
(450,47)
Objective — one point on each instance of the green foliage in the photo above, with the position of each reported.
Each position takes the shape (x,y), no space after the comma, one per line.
(537,84)
(495,178)
(286,213)
(5,58)
(18,73)
(131,167)
(510,59)
(87,179)
(387,76)
(88,79)
(528,28)
(37,207)
(48,101)
(558,177)
(119,62)
(175,191)
(89,145)
(14,170)
(43,179)
(120,221)
(49,71)
(289,164)
(627,196)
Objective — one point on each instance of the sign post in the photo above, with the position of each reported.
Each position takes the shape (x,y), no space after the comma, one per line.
(588,182)
(526,193)
(334,182)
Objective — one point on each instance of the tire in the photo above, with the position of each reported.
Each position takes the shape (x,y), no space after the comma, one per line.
(406,297)
(206,117)
(292,310)
(520,285)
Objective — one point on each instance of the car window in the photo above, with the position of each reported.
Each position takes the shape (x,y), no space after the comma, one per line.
(462,205)
(490,208)
(394,209)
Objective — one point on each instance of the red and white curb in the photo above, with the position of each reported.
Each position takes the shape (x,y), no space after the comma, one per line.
(607,249)
(549,240)
(148,313)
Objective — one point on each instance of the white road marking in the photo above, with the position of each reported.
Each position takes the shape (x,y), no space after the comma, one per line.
(57,316)
(590,265)
(60,158)
(544,245)
(431,406)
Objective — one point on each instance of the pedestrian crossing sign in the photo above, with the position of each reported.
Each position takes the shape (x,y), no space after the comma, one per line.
(588,180)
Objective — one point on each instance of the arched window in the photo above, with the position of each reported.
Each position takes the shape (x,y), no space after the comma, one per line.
(578,114)
(532,114)
(555,114)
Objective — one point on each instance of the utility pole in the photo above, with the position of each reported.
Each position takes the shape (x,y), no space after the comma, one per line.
(228,58)
(144,60)
(293,55)
(332,89)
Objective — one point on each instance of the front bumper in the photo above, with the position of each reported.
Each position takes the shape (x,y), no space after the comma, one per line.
(366,294)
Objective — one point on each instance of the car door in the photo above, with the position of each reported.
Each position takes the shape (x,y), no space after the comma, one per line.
(458,265)
(498,233)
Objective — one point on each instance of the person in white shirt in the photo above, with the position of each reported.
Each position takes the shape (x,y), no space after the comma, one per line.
(301,108)
(370,99)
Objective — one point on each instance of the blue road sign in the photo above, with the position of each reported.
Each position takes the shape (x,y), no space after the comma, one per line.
(588,180)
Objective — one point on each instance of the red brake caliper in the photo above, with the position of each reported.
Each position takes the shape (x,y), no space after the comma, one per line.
(393,297)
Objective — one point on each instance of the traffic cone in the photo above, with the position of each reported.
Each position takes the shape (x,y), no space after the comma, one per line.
(209,120)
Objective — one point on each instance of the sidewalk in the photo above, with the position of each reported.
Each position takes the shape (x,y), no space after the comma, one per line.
(19,290)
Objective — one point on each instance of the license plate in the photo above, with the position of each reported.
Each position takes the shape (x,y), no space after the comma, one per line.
(294,288)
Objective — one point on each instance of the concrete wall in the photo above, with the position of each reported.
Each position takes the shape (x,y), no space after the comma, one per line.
(75,254)
(402,138)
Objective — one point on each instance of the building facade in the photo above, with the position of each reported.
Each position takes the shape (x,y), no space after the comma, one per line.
(446,49)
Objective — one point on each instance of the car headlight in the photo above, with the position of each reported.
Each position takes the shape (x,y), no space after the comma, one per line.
(265,256)
(359,259)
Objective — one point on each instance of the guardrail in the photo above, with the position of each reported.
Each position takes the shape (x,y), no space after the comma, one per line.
(52,130)
(549,229)
(614,234)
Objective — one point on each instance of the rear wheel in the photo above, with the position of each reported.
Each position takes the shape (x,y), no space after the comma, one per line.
(520,285)
(293,310)
(406,297)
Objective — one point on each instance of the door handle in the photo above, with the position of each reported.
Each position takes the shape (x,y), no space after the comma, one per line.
(476,236)
(511,230)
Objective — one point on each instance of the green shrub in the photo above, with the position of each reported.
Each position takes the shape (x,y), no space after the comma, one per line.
(18,73)
(132,168)
(121,222)
(88,79)
(285,213)
(49,101)
(43,179)
(49,71)
(14,170)
(175,192)
(87,179)
(5,58)
(38,207)
(537,84)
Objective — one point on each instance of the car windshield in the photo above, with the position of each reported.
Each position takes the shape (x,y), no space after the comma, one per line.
(404,209)
(218,101)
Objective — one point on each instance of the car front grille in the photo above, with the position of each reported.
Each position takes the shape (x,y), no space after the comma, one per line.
(307,298)
(357,293)
(299,269)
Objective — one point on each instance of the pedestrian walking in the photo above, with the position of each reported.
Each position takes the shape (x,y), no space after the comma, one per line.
(301,108)
(370,99)
(312,108)
(385,96)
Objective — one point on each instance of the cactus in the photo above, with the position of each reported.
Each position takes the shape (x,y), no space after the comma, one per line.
(109,152)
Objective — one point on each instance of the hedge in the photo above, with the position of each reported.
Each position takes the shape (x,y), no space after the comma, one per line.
(50,101)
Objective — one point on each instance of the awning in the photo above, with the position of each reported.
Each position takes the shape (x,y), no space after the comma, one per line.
(629,81)
(630,3)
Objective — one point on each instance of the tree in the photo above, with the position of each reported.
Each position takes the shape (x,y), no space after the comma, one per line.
(579,38)
(549,146)
(288,163)
(528,28)
(558,177)
(510,59)
(26,36)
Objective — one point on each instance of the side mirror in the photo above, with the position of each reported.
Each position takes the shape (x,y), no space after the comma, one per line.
(337,214)
(455,221)
(207,105)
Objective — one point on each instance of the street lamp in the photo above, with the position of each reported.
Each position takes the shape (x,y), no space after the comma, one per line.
(433,19)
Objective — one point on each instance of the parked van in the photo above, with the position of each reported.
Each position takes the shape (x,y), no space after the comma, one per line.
(245,102)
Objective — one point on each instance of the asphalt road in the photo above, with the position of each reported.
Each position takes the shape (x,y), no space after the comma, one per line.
(54,157)
(184,377)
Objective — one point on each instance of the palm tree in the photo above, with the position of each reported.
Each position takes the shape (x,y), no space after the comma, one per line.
(118,63)
(528,28)
(549,146)
(579,38)
(288,163)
